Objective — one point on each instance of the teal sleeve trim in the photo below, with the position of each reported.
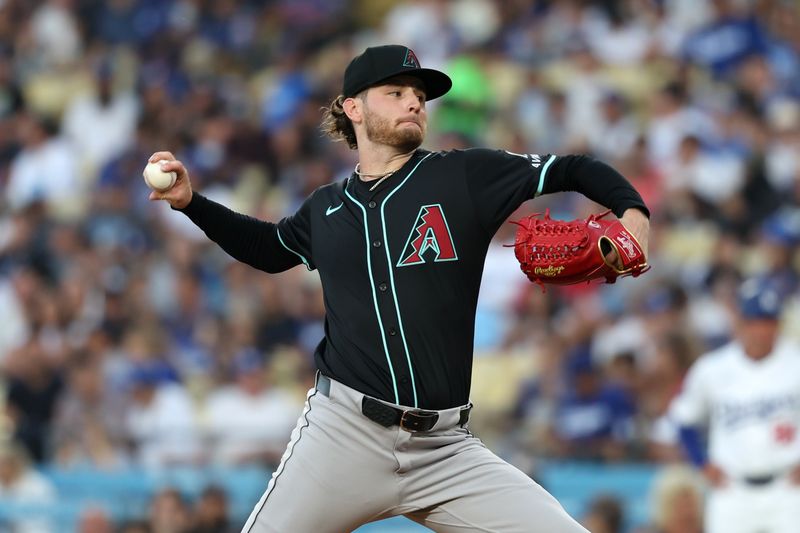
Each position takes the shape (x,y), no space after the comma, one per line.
(543,176)
(303,259)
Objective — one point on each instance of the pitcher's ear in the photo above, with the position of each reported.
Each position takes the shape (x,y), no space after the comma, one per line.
(353,108)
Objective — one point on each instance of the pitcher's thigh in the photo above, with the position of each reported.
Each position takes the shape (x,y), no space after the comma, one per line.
(484,493)
(323,484)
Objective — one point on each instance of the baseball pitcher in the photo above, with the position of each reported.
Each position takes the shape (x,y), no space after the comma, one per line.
(399,246)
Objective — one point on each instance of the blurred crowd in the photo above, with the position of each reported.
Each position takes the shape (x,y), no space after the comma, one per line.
(128,339)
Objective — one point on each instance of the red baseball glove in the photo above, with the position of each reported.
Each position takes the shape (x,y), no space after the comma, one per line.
(561,252)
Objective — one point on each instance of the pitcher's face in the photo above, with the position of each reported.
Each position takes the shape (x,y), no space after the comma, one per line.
(394,113)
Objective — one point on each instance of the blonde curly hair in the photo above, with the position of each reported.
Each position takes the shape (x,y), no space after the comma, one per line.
(336,124)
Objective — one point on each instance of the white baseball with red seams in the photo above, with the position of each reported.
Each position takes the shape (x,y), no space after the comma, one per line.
(157,179)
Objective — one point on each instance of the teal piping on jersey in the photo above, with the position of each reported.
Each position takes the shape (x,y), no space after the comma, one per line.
(391,276)
(295,253)
(543,175)
(375,297)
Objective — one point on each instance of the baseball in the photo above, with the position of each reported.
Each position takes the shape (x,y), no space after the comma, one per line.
(157,179)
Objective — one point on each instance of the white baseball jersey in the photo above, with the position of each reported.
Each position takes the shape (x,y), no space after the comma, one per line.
(752,408)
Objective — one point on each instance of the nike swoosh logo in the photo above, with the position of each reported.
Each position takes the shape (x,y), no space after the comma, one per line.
(332,210)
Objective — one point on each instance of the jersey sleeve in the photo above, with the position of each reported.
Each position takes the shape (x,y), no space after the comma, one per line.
(263,245)
(294,234)
(500,181)
(594,179)
(691,407)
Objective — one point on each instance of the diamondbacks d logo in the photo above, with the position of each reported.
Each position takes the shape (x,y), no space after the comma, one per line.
(430,232)
(410,59)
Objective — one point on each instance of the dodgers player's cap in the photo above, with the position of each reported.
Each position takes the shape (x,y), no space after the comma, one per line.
(758,298)
(379,63)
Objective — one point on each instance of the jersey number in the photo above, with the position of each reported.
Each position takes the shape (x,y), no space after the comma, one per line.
(785,433)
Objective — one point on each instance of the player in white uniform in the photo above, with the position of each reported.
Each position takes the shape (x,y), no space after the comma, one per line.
(748,395)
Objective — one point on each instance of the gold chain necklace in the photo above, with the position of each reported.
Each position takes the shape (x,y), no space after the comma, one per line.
(381,177)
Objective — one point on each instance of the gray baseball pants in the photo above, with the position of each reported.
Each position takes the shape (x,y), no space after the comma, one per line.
(342,470)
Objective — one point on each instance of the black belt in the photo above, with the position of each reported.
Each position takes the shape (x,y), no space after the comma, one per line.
(411,420)
(759,481)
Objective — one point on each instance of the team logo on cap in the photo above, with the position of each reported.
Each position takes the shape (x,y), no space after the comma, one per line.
(410,59)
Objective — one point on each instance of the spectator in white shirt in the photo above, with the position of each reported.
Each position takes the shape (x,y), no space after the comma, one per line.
(44,170)
(250,421)
(101,124)
(161,420)
(20,484)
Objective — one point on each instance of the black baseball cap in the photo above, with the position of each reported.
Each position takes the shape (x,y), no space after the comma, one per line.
(379,63)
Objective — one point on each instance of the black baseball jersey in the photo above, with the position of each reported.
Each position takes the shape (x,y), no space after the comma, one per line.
(401,265)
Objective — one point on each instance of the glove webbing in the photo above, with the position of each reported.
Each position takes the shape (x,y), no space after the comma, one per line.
(547,231)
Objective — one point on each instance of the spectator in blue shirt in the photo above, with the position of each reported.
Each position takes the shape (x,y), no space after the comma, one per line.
(593,419)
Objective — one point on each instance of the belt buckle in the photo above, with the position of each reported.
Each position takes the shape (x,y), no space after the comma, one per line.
(412,421)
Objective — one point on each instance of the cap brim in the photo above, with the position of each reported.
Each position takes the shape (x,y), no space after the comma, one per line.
(436,83)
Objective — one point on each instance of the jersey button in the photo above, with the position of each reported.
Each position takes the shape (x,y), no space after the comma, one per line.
(376,244)
(372,205)
(383,287)
(404,380)
(392,332)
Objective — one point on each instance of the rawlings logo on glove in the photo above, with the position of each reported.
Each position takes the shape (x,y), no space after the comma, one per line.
(563,252)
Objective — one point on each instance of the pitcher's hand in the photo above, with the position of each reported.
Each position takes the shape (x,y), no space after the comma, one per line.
(180,194)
